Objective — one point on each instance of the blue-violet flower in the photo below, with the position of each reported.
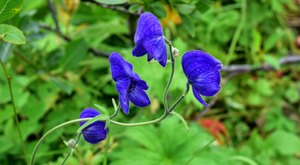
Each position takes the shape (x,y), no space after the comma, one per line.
(149,39)
(203,73)
(95,132)
(128,83)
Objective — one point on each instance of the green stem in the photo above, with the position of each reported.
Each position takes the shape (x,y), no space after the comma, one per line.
(181,97)
(116,112)
(237,33)
(72,149)
(8,78)
(106,149)
(50,131)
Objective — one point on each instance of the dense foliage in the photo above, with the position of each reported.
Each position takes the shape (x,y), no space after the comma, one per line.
(54,59)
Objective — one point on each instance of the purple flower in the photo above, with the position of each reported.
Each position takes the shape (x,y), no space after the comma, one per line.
(128,83)
(95,132)
(149,39)
(203,73)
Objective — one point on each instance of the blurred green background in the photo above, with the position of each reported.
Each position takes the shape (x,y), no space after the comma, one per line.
(58,69)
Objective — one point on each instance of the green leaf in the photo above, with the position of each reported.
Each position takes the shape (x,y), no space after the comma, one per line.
(96,118)
(75,53)
(101,109)
(185,8)
(273,61)
(203,5)
(62,84)
(5,50)
(9,8)
(112,2)
(284,142)
(11,34)
(272,40)
(158,9)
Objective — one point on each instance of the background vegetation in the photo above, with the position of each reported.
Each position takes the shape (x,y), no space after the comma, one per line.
(55,53)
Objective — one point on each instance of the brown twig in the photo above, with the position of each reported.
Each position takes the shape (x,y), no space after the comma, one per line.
(113,7)
(54,15)
(245,68)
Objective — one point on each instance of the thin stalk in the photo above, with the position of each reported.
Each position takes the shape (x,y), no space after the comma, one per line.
(49,132)
(72,149)
(238,32)
(106,149)
(8,78)
(181,97)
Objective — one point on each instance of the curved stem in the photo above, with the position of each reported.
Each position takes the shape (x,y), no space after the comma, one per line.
(181,97)
(8,78)
(116,112)
(50,131)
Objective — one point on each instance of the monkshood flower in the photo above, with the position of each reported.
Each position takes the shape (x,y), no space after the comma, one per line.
(95,132)
(128,83)
(203,73)
(149,39)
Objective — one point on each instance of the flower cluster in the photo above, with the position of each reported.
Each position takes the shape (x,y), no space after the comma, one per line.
(201,69)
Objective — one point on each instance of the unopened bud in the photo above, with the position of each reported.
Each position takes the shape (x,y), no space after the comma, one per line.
(71,143)
(175,52)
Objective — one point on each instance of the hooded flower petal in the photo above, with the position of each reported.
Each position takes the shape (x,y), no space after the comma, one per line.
(198,97)
(139,97)
(149,39)
(203,72)
(128,84)
(148,26)
(119,67)
(95,132)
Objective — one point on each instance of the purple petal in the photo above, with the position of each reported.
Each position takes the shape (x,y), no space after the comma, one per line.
(148,26)
(139,97)
(124,102)
(95,132)
(141,83)
(139,49)
(122,85)
(198,65)
(156,48)
(198,97)
(208,84)
(119,67)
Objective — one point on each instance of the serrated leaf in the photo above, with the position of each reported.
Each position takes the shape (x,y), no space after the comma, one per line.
(9,8)
(11,34)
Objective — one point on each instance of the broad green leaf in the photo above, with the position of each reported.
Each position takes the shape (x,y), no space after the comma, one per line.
(185,8)
(112,2)
(9,8)
(11,34)
(74,54)
(284,142)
